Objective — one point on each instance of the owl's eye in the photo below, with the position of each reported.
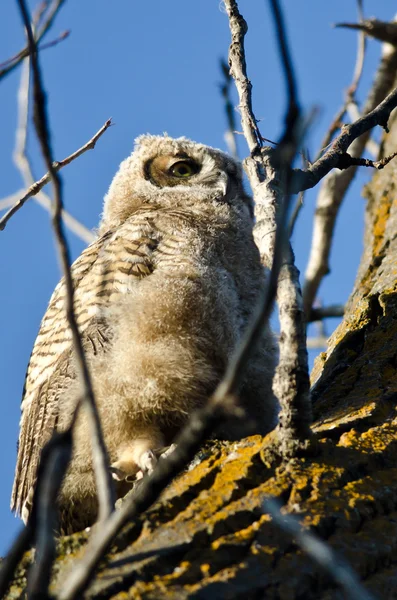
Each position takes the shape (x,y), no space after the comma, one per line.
(184,169)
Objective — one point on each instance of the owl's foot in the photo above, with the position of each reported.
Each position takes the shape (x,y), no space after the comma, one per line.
(135,461)
(158,453)
(164,452)
(133,465)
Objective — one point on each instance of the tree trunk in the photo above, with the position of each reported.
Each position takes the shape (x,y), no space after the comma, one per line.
(209,536)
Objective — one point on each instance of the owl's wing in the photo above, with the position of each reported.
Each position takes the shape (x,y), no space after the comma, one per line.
(105,271)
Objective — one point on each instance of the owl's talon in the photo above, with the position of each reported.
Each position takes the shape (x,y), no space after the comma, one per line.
(126,470)
(147,461)
(140,475)
(117,473)
(167,451)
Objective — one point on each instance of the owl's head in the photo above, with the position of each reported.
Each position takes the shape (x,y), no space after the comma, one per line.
(171,172)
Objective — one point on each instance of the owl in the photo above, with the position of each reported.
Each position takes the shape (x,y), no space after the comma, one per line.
(162,298)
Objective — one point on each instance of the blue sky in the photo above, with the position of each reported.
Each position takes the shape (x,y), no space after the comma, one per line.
(153,67)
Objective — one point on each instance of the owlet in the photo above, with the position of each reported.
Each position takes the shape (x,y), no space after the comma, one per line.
(162,298)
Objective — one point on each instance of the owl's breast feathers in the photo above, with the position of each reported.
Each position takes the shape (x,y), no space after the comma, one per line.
(104,273)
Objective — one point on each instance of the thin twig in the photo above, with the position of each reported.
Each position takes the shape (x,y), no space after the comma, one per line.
(320,552)
(61,37)
(295,212)
(289,75)
(100,458)
(379,30)
(372,146)
(22,163)
(336,124)
(300,200)
(36,187)
(52,12)
(350,95)
(376,110)
(334,156)
(346,161)
(319,313)
(238,70)
(358,69)
(230,134)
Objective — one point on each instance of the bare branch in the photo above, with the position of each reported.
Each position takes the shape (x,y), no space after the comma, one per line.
(100,458)
(346,161)
(36,187)
(376,111)
(350,100)
(379,30)
(291,383)
(13,557)
(300,200)
(293,107)
(351,90)
(53,10)
(269,174)
(335,126)
(325,312)
(46,518)
(52,466)
(61,37)
(54,461)
(42,523)
(230,134)
(372,146)
(334,156)
(295,213)
(320,552)
(238,70)
(22,163)
(358,69)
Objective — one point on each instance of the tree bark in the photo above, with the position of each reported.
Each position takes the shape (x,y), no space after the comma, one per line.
(209,535)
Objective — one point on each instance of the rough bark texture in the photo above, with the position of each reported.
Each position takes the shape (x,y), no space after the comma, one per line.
(208,537)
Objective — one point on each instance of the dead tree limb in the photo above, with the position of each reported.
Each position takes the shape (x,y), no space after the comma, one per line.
(271,181)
